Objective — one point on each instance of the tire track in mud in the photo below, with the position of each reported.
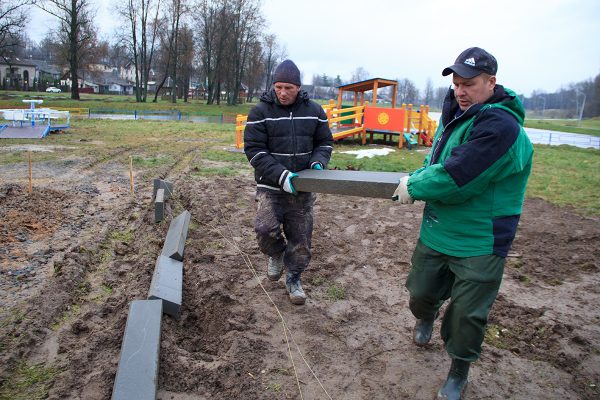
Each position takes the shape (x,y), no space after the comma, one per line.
(180,164)
(110,157)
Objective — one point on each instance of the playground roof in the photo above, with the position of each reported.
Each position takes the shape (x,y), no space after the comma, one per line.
(369,84)
(366,86)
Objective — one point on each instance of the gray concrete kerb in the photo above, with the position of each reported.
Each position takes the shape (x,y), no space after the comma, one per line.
(351,183)
(167,284)
(161,184)
(159,205)
(175,241)
(137,373)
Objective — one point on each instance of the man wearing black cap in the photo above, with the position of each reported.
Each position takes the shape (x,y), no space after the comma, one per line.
(286,133)
(473,184)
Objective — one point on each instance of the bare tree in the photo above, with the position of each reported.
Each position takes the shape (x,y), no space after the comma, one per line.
(407,92)
(273,55)
(428,94)
(185,66)
(141,18)
(439,96)
(169,43)
(75,30)
(360,74)
(13,17)
(213,33)
(256,70)
(246,22)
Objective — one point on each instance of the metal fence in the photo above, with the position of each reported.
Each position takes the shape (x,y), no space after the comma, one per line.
(162,115)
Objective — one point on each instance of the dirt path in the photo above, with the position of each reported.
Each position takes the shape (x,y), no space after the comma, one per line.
(73,257)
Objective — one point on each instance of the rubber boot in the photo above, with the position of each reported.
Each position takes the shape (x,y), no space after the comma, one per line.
(275,267)
(456,383)
(294,288)
(423,327)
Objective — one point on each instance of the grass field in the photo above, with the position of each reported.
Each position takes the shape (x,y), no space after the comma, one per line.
(117,102)
(587,126)
(562,175)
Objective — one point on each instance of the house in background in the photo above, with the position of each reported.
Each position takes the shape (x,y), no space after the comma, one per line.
(17,74)
(112,83)
(47,74)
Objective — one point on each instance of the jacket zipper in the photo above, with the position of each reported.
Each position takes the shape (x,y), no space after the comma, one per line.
(435,149)
(437,143)
(294,141)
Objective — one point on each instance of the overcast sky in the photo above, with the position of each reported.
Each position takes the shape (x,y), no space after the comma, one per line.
(538,44)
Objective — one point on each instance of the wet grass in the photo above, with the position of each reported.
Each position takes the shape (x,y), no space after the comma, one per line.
(28,382)
(563,175)
(336,292)
(397,160)
(122,236)
(13,99)
(566,175)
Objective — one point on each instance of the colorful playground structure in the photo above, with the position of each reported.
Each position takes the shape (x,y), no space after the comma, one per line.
(412,126)
(32,123)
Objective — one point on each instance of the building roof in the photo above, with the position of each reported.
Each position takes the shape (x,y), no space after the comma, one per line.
(364,86)
(18,61)
(108,78)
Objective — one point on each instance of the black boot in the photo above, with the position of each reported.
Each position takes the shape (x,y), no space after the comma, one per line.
(455,385)
(422,331)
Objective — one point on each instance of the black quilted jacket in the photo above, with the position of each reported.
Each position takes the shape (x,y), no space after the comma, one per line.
(279,138)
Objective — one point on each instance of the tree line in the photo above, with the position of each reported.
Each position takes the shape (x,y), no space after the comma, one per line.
(222,45)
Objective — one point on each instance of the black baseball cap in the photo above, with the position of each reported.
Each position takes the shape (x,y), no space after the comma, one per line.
(472,62)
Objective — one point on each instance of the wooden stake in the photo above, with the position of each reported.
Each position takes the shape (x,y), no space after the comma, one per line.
(131,172)
(30,173)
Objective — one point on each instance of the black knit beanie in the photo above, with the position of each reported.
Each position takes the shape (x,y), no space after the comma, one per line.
(287,72)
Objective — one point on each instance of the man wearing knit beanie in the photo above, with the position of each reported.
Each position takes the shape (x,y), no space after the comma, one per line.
(286,133)
(287,72)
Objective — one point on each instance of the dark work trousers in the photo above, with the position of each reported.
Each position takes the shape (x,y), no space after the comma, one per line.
(284,222)
(471,283)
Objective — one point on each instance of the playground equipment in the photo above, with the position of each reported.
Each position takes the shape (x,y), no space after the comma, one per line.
(32,123)
(411,126)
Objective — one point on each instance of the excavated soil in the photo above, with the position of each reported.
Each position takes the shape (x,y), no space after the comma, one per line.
(76,252)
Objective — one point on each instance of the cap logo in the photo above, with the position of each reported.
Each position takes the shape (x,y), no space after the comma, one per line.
(470,61)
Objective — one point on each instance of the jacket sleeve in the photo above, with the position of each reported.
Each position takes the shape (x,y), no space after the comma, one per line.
(256,147)
(490,154)
(322,141)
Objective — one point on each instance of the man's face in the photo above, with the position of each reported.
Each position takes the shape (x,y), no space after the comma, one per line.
(473,91)
(286,92)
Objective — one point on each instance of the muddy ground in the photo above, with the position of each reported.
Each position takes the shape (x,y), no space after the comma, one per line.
(80,248)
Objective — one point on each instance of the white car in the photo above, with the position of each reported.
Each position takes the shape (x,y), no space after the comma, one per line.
(53,89)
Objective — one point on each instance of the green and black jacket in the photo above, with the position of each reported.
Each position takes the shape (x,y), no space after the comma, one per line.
(475,176)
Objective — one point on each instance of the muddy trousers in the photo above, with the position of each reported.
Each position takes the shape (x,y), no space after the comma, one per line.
(285,223)
(470,283)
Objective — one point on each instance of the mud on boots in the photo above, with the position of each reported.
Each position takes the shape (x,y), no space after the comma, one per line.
(422,331)
(456,383)
(294,288)
(423,327)
(275,267)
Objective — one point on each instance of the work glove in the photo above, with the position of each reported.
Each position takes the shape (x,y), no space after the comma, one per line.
(317,165)
(285,181)
(401,193)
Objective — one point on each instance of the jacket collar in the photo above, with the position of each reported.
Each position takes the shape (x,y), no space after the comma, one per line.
(450,107)
(270,97)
